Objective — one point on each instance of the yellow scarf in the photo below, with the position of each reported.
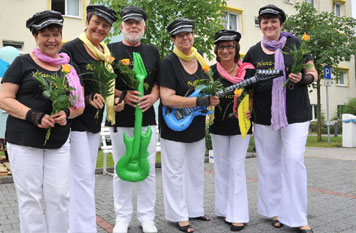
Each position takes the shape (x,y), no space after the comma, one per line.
(106,56)
(194,54)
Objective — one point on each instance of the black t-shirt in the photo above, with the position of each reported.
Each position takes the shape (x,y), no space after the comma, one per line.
(22,132)
(297,100)
(81,59)
(223,124)
(174,76)
(151,59)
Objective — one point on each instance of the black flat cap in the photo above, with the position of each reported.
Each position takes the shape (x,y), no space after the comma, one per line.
(180,25)
(132,12)
(226,35)
(43,19)
(272,9)
(104,12)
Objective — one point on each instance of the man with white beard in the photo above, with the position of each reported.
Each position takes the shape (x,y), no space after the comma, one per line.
(133,28)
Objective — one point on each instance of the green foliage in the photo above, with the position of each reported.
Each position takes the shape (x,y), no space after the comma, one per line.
(104,80)
(207,15)
(350,107)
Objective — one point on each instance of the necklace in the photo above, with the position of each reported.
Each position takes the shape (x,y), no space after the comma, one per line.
(233,68)
(187,63)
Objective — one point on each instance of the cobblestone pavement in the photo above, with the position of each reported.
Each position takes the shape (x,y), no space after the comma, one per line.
(331,198)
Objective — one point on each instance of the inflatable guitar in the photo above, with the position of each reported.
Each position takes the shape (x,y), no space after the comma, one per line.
(180,119)
(134,166)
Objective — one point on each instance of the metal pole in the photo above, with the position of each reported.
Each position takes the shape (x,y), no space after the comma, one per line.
(327,111)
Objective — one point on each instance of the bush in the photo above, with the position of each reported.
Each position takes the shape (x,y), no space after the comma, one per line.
(350,107)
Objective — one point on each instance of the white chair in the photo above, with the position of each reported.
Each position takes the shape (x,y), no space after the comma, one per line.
(105,137)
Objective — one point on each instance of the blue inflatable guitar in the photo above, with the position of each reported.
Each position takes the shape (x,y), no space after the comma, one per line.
(180,119)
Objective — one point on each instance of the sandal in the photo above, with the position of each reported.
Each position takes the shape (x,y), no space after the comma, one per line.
(276,223)
(202,218)
(185,228)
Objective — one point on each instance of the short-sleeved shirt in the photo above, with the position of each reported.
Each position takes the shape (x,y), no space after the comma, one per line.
(224,124)
(23,132)
(174,76)
(151,59)
(298,108)
(80,58)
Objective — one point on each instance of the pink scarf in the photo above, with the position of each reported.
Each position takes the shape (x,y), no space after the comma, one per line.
(240,72)
(76,95)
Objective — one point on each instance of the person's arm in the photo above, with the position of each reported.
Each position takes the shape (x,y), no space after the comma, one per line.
(12,106)
(169,98)
(147,101)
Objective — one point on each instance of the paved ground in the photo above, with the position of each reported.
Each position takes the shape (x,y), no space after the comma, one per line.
(331,191)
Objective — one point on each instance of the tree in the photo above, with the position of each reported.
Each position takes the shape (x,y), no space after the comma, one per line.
(332,40)
(207,15)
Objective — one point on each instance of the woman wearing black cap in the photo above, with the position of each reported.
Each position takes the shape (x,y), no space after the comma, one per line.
(85,131)
(183,151)
(40,169)
(229,146)
(281,117)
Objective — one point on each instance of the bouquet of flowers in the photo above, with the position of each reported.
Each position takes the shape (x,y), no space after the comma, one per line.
(56,89)
(299,56)
(128,76)
(238,97)
(241,106)
(104,81)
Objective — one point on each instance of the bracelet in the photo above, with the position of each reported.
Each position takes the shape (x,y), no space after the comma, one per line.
(67,112)
(307,79)
(35,117)
(203,101)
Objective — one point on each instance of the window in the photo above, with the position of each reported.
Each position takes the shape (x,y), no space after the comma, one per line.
(311,2)
(341,77)
(256,22)
(314,112)
(18,45)
(66,7)
(338,8)
(230,21)
(340,110)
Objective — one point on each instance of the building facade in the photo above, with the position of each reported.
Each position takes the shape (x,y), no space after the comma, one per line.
(241,15)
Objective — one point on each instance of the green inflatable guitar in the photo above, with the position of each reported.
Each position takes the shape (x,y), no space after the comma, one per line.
(134,166)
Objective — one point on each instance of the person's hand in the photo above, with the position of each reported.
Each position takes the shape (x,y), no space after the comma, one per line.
(97,101)
(46,122)
(214,100)
(146,102)
(295,78)
(132,98)
(60,118)
(118,107)
(249,114)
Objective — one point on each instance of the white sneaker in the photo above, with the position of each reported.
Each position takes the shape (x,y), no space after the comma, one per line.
(121,226)
(148,226)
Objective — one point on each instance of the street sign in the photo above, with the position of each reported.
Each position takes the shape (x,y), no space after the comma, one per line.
(327,72)
(330,122)
(328,82)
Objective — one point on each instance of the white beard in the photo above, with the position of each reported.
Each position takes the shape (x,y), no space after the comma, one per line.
(133,37)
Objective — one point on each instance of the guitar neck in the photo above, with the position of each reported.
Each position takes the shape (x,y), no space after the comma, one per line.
(231,89)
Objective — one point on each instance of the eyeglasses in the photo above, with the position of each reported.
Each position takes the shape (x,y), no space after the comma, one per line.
(228,47)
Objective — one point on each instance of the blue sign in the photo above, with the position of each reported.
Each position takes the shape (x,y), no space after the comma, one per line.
(327,72)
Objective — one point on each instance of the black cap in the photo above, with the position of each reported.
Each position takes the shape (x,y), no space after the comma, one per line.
(272,9)
(132,12)
(180,25)
(104,12)
(43,19)
(226,35)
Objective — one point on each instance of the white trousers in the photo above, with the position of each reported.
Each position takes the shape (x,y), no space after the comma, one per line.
(83,152)
(231,199)
(146,189)
(282,176)
(183,179)
(41,174)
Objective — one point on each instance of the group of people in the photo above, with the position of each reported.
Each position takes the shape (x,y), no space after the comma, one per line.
(62,170)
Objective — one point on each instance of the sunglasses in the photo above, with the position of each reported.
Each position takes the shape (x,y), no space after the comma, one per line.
(228,47)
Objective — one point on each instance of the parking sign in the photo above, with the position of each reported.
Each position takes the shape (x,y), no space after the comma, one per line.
(327,72)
